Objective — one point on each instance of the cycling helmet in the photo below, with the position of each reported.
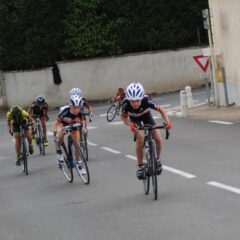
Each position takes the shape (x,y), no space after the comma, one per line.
(75,92)
(134,92)
(16,113)
(75,100)
(40,100)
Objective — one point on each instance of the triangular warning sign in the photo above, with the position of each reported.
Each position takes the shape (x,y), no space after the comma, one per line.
(202,62)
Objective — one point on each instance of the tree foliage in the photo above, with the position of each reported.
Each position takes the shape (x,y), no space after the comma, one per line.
(37,33)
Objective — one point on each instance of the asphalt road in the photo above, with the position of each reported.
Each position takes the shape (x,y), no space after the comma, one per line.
(199,189)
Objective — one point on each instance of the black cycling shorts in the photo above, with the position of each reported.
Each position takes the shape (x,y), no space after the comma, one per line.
(145,119)
(16,126)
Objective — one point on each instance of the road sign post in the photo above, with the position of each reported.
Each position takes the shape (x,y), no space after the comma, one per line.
(203,63)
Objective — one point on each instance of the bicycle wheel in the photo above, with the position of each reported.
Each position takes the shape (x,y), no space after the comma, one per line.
(84,145)
(25,155)
(81,167)
(146,182)
(154,175)
(66,167)
(111,112)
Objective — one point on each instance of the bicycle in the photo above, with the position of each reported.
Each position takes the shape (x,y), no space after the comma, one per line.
(39,136)
(70,150)
(24,146)
(151,158)
(113,110)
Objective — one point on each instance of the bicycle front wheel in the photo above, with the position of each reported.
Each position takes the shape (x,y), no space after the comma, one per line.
(154,175)
(84,146)
(81,166)
(111,113)
(66,167)
(25,155)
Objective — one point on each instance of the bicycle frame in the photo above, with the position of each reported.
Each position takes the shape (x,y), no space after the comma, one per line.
(39,135)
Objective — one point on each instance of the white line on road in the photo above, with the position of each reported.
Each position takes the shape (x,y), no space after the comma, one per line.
(170,169)
(103,115)
(92,144)
(110,150)
(176,171)
(225,187)
(116,123)
(220,122)
(131,157)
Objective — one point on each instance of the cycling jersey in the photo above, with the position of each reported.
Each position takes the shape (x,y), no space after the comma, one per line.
(39,111)
(65,117)
(22,119)
(143,113)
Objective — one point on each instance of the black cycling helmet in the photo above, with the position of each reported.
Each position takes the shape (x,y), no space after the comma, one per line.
(16,113)
(40,100)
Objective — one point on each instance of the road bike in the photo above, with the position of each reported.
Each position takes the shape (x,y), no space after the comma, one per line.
(113,110)
(70,151)
(24,148)
(39,135)
(150,163)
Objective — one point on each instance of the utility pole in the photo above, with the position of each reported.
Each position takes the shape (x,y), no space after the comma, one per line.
(206,14)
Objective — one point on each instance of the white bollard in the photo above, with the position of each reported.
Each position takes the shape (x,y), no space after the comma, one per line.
(183,102)
(188,90)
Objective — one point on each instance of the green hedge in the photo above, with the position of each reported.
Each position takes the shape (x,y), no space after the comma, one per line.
(36,34)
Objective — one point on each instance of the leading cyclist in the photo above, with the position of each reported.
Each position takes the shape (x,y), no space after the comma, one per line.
(136,110)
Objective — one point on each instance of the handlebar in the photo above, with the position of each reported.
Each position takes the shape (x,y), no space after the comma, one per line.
(71,127)
(148,127)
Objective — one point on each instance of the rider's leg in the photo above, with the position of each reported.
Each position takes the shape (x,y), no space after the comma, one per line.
(17,147)
(29,138)
(139,147)
(158,140)
(59,139)
(43,121)
(76,139)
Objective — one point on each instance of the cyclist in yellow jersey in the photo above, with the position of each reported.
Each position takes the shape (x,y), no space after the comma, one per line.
(17,117)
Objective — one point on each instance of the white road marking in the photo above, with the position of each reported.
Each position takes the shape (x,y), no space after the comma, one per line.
(103,115)
(225,187)
(91,127)
(92,144)
(116,123)
(170,169)
(131,157)
(110,150)
(166,105)
(176,171)
(220,122)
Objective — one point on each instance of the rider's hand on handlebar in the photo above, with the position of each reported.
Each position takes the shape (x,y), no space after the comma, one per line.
(168,125)
(133,127)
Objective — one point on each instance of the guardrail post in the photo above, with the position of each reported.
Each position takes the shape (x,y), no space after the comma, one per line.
(183,102)
(188,90)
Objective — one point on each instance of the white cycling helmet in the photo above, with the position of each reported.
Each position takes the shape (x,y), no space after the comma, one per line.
(134,92)
(75,100)
(75,92)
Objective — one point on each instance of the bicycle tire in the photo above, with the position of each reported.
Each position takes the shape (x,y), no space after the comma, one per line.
(85,177)
(24,155)
(146,182)
(84,145)
(66,168)
(154,165)
(111,112)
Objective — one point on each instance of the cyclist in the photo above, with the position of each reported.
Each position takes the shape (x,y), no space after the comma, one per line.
(136,110)
(17,117)
(39,108)
(68,114)
(120,95)
(85,104)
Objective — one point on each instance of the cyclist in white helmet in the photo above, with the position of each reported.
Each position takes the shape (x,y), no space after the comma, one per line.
(68,114)
(136,110)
